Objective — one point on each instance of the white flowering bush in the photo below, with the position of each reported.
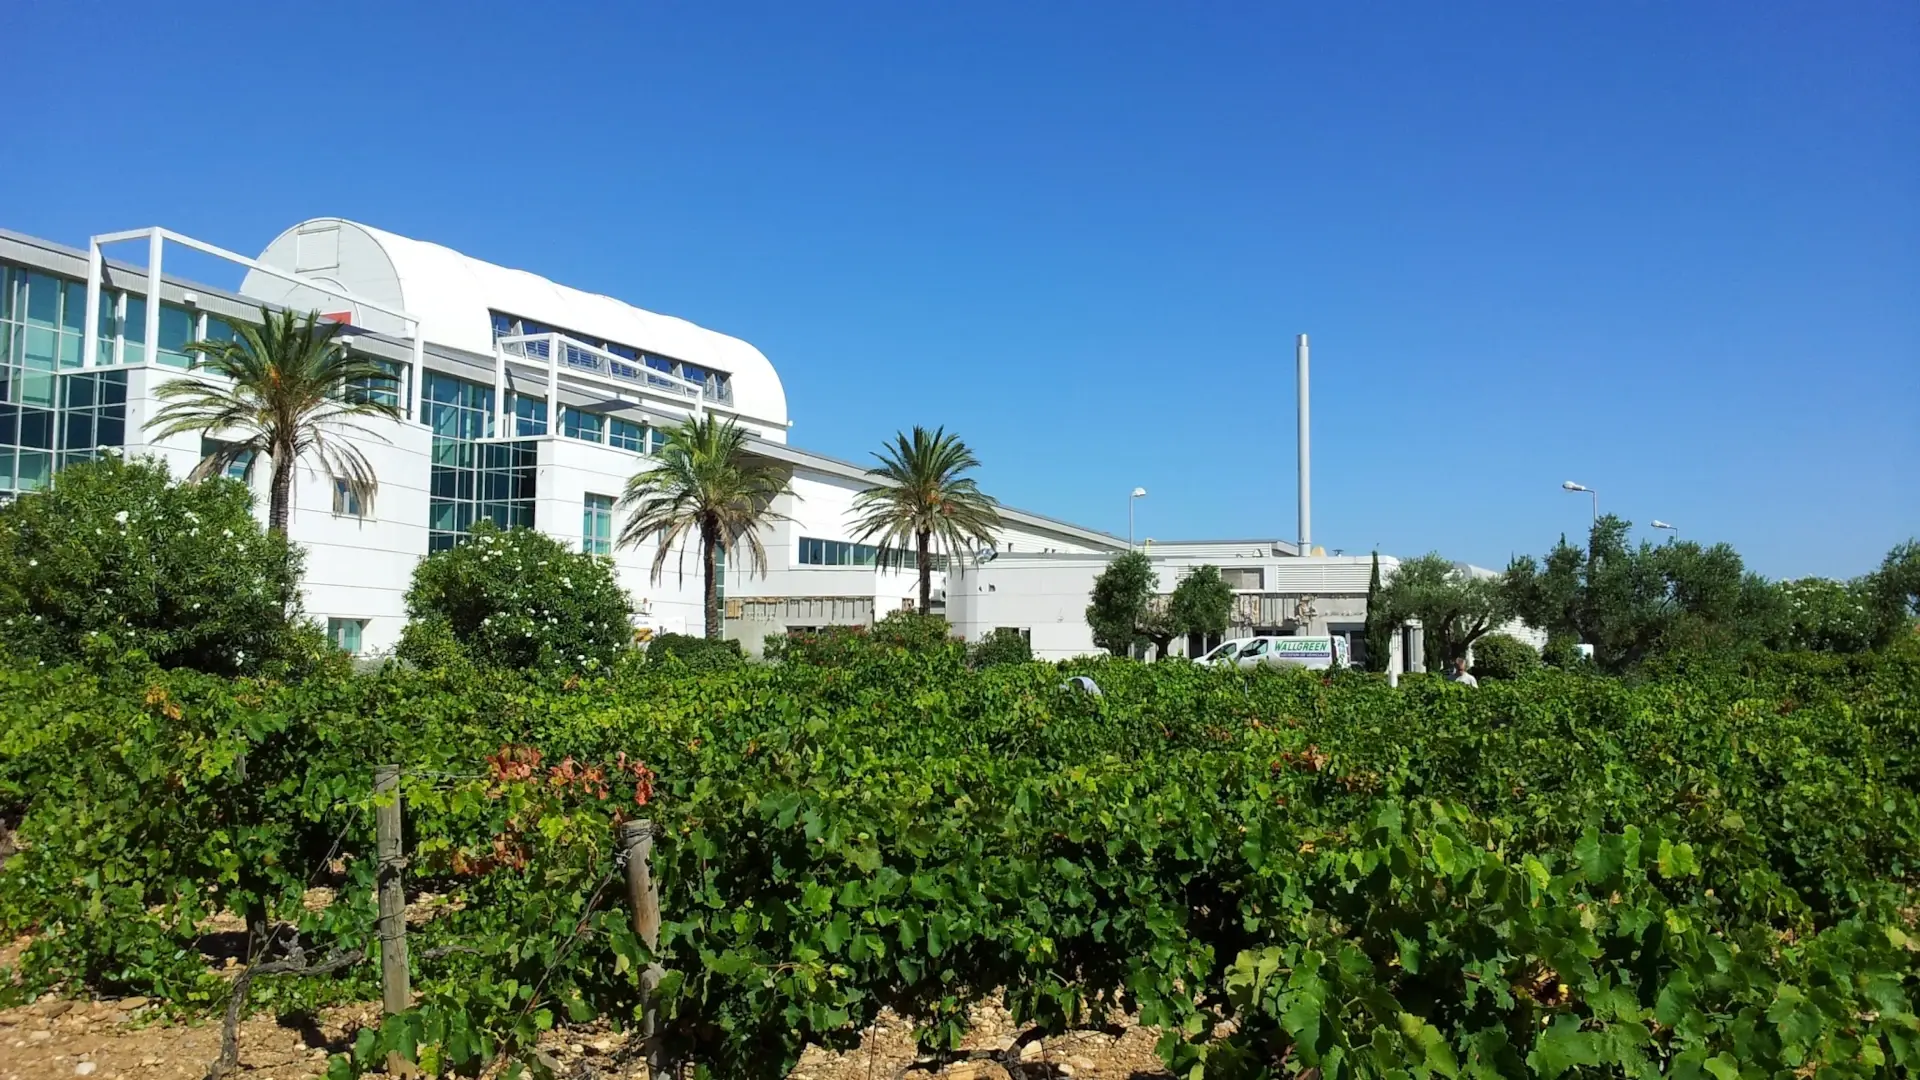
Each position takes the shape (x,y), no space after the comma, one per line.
(117,557)
(516,598)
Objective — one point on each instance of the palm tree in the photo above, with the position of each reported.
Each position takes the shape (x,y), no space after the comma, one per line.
(704,483)
(920,494)
(292,391)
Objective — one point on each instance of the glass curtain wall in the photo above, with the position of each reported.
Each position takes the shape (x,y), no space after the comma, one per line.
(51,414)
(472,480)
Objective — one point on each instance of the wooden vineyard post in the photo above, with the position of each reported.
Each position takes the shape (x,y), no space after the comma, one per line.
(396,993)
(636,843)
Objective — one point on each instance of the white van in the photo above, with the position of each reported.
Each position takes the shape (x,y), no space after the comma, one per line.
(1226,652)
(1313,653)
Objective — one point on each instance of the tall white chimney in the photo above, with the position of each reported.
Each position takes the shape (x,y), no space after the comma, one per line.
(1306,451)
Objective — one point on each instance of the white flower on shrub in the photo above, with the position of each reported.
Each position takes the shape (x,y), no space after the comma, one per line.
(120,518)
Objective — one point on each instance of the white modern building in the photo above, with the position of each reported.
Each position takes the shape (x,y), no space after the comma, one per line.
(529,403)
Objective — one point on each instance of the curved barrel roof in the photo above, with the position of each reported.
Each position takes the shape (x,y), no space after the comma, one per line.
(454,295)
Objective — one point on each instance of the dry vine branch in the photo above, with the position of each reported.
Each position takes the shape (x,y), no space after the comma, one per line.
(237,1003)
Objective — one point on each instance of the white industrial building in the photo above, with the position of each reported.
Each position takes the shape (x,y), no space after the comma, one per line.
(530,403)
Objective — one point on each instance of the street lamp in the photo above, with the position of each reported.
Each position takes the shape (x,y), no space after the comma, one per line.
(1138,493)
(1571,486)
(1674,529)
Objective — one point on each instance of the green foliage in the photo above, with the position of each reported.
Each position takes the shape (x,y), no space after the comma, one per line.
(1562,651)
(429,645)
(913,632)
(692,653)
(1454,606)
(1380,624)
(1895,593)
(115,557)
(286,390)
(1634,603)
(847,646)
(705,485)
(1823,615)
(1005,645)
(1503,656)
(1202,603)
(921,494)
(1120,600)
(1562,876)
(829,646)
(516,598)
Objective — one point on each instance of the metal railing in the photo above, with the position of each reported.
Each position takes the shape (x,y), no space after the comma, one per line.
(573,355)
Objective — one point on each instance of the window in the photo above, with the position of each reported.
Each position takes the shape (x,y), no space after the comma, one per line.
(345,634)
(472,482)
(456,408)
(176,330)
(237,468)
(626,434)
(816,552)
(50,416)
(716,385)
(469,480)
(133,329)
(596,525)
(347,502)
(577,424)
(529,415)
(1025,632)
(1242,578)
(382,390)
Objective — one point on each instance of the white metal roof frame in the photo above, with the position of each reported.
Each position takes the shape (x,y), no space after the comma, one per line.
(157,237)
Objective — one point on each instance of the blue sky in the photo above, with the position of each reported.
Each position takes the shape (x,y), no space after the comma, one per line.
(1671,251)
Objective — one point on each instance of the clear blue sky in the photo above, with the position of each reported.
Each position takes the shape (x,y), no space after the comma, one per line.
(1671,251)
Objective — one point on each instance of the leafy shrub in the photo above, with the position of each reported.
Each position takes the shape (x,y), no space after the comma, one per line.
(1503,656)
(829,646)
(840,646)
(517,599)
(1562,652)
(1004,646)
(115,556)
(1828,616)
(913,632)
(692,652)
(429,644)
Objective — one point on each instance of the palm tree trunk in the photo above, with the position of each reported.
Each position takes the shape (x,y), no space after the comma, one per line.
(926,573)
(280,496)
(712,585)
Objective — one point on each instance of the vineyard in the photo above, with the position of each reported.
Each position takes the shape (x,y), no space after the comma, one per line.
(1709,873)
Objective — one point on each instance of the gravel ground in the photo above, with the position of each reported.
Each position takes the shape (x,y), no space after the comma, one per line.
(123,1040)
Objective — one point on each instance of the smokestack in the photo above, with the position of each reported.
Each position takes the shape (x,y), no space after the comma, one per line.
(1306,451)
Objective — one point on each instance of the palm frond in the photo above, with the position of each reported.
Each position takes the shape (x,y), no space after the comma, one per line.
(282,387)
(704,479)
(920,488)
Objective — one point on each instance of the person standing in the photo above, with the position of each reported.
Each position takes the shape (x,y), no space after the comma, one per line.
(1460,674)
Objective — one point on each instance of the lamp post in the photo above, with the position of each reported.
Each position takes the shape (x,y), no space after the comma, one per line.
(1571,486)
(1138,493)
(1674,529)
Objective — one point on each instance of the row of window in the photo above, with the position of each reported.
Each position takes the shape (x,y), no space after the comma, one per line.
(718,384)
(817,552)
(43,322)
(49,421)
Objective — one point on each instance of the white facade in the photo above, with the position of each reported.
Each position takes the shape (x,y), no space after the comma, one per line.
(569,354)
(1275,592)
